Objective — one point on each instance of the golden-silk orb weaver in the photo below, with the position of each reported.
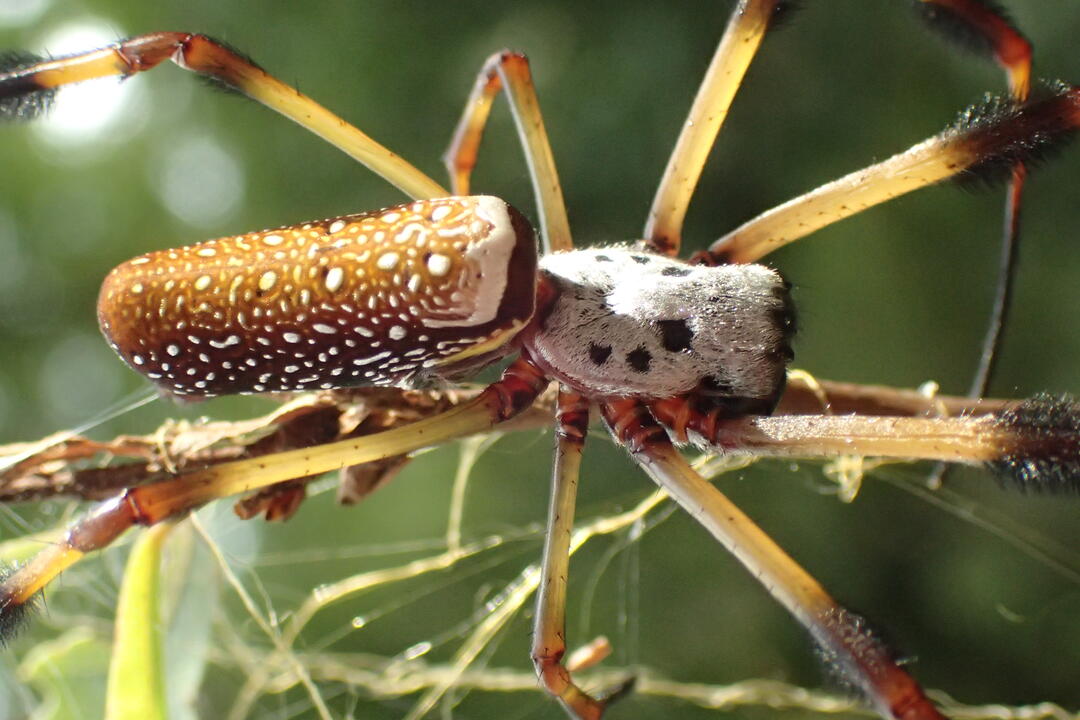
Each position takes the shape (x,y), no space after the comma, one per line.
(884,151)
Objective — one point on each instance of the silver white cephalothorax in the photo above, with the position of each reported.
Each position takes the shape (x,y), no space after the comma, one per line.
(626,322)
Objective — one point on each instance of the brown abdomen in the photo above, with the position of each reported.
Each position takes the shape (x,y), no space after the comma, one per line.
(391,297)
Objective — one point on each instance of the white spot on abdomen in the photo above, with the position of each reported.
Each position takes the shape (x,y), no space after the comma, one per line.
(267,280)
(438,264)
(372,359)
(387,261)
(334,277)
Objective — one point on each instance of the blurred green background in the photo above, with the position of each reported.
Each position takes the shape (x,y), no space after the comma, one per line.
(898,295)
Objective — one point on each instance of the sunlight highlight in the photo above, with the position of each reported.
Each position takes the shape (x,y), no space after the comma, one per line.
(20,13)
(199,181)
(92,109)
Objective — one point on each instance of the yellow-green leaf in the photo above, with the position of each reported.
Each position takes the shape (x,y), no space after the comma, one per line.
(136,687)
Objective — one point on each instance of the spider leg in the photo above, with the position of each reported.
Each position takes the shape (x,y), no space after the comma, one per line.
(515,391)
(985,28)
(27,86)
(988,30)
(510,71)
(804,395)
(549,636)
(1033,445)
(849,646)
(59,470)
(985,141)
(738,45)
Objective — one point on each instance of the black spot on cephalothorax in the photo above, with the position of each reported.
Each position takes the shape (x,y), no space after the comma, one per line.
(675,335)
(601,258)
(673,271)
(641,259)
(639,359)
(599,354)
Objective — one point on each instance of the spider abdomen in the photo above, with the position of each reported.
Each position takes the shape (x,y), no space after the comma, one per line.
(393,297)
(631,323)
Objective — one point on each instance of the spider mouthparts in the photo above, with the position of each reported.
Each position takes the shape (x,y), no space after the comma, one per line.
(1045,454)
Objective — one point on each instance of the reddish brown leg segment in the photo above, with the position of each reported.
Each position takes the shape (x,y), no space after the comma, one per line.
(519,386)
(205,56)
(974,18)
(843,636)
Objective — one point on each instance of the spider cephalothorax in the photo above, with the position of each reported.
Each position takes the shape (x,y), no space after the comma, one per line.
(627,322)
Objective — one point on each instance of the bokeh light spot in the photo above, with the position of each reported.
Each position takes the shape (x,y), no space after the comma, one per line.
(19,13)
(79,376)
(199,181)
